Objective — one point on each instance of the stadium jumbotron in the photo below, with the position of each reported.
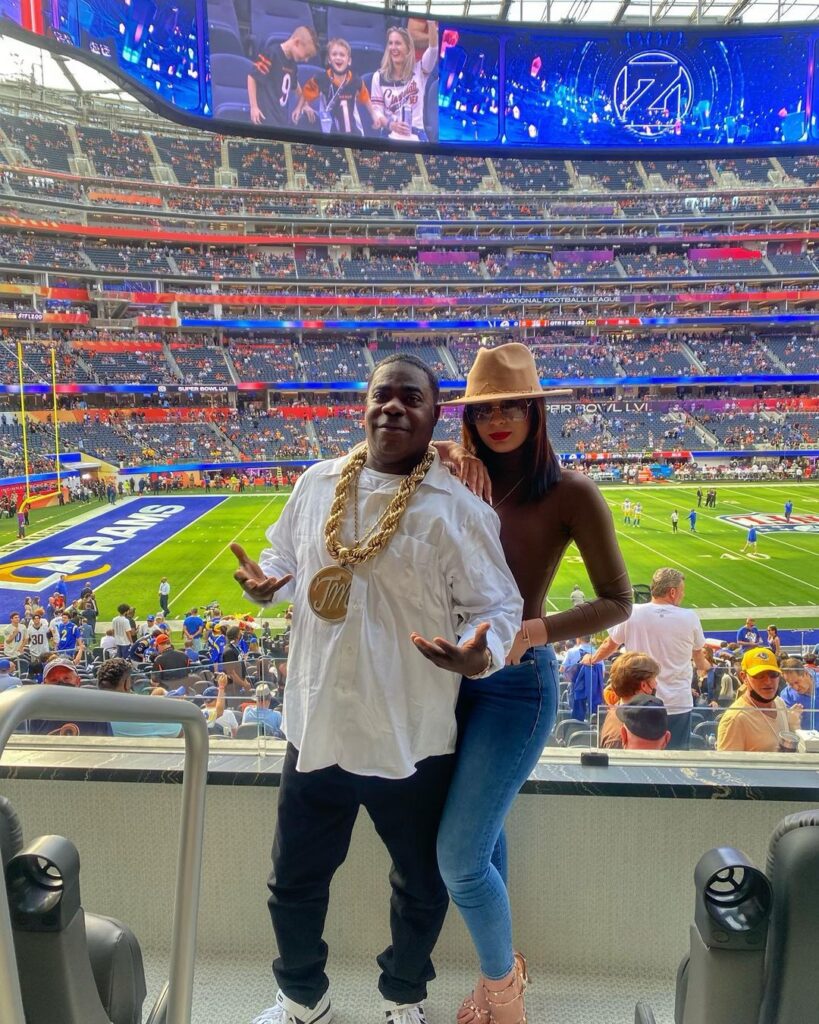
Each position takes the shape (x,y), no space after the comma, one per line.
(246,250)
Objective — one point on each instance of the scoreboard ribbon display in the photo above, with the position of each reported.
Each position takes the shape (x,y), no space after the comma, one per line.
(348,75)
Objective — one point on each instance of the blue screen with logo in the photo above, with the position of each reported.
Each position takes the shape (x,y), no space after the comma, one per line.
(649,89)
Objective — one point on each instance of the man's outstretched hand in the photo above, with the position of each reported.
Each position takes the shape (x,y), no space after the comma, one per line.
(252,580)
(470,659)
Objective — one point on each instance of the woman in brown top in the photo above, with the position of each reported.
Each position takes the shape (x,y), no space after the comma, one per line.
(505,719)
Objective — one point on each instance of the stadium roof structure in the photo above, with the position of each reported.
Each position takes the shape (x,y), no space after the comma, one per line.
(615,12)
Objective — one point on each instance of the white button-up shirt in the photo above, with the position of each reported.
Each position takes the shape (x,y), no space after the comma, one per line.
(359,694)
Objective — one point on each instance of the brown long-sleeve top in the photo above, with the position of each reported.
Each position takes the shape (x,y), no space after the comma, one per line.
(535,535)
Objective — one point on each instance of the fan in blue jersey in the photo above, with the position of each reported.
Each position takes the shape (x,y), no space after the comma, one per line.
(69,635)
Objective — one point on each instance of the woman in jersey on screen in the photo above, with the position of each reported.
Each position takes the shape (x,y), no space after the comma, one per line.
(399,85)
(505,719)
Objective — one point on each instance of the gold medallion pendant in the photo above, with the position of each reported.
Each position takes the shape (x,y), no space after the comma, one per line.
(329,592)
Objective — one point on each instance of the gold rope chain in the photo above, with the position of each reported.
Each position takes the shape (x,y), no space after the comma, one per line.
(389,520)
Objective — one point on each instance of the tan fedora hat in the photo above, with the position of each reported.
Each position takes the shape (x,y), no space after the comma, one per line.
(502,373)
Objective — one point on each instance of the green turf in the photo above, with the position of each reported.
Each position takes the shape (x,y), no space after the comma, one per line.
(717,576)
(200,566)
(198,561)
(49,518)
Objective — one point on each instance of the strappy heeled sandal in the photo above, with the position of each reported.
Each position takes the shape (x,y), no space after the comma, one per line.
(469,1012)
(511,992)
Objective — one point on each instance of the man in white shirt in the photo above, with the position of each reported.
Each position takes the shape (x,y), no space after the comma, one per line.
(14,638)
(122,631)
(375,550)
(673,636)
(108,645)
(40,637)
(577,596)
(164,593)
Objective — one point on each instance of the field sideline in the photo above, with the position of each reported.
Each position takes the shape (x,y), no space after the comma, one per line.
(783,580)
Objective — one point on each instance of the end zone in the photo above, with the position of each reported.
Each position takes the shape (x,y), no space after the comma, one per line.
(98,548)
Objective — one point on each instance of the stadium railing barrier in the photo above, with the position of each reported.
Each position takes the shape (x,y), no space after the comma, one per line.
(59,703)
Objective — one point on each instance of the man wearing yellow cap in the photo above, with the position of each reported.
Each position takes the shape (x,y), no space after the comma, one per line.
(757,717)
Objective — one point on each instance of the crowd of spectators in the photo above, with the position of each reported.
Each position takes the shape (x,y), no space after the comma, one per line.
(128,363)
(258,164)
(322,167)
(742,355)
(116,154)
(194,161)
(45,143)
(456,173)
(201,364)
(271,361)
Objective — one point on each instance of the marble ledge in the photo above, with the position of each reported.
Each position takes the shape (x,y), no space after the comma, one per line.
(687,776)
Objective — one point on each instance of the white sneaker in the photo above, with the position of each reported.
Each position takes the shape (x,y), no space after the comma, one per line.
(286,1011)
(405,1013)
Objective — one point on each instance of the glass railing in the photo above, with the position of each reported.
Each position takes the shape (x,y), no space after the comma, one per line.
(248,708)
(739,727)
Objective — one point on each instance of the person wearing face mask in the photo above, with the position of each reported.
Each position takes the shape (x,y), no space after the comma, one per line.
(632,675)
(671,634)
(757,718)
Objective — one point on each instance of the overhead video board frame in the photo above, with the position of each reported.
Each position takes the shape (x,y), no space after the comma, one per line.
(343,75)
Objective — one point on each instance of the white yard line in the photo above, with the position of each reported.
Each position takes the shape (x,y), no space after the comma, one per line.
(764,565)
(152,550)
(666,559)
(805,611)
(219,553)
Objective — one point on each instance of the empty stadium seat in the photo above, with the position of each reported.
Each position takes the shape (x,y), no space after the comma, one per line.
(74,967)
(362,31)
(752,952)
(229,74)
(268,20)
(223,40)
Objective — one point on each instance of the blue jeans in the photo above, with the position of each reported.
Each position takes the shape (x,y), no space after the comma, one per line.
(503,724)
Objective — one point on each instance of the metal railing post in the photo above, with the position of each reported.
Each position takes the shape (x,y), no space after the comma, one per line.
(62,703)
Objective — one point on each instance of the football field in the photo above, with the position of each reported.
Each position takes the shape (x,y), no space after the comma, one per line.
(124,551)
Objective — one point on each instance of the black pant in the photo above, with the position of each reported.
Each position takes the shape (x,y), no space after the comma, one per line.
(680,728)
(163,603)
(317,811)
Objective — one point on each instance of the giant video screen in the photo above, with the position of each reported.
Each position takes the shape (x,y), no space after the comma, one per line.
(347,75)
(158,47)
(650,88)
(325,69)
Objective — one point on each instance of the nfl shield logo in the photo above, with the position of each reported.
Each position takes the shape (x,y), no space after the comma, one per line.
(768,522)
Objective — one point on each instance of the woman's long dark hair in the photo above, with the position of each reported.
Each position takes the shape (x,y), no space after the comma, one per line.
(542,463)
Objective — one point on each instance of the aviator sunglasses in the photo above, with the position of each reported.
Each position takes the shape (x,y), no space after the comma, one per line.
(514,410)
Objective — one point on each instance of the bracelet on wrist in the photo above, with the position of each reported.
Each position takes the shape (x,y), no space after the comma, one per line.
(487,663)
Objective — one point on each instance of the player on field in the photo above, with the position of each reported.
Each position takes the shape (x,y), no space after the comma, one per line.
(692,521)
(788,510)
(273,85)
(750,542)
(627,511)
(339,90)
(638,511)
(675,519)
